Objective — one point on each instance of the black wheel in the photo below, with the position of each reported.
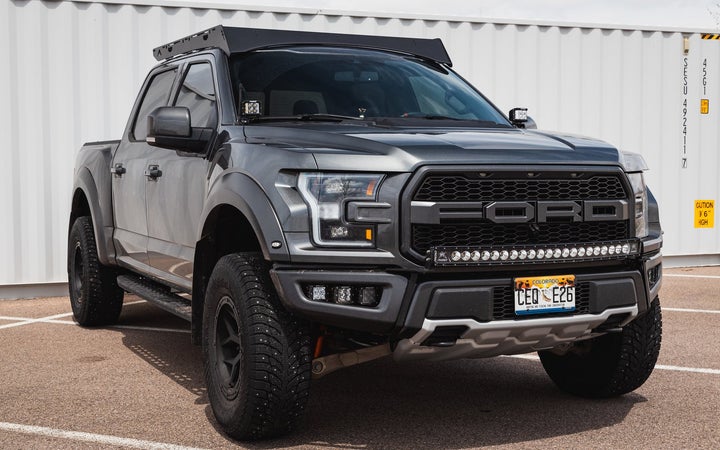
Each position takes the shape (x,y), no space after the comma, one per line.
(95,296)
(610,365)
(257,356)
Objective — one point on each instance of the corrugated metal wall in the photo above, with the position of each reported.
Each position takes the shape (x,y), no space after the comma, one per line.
(72,70)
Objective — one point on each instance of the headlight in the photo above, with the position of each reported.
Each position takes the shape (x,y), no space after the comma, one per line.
(327,195)
(641,204)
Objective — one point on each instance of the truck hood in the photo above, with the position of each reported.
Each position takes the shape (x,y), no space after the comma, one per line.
(338,147)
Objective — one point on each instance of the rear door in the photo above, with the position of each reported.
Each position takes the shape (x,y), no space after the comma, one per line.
(130,165)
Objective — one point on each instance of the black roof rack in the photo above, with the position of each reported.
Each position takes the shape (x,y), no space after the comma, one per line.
(237,40)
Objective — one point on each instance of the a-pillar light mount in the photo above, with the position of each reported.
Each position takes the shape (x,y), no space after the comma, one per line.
(518,117)
(533,254)
(251,108)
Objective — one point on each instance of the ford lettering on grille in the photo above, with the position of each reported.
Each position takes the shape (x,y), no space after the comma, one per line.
(522,212)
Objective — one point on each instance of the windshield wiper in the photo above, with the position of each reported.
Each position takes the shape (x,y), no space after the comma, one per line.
(437,117)
(420,117)
(304,118)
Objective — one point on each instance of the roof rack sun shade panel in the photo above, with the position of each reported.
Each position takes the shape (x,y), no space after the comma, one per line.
(240,40)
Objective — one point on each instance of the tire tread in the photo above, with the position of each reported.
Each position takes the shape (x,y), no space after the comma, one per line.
(277,361)
(103,297)
(615,363)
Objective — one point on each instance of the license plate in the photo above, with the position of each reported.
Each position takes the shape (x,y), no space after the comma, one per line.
(543,295)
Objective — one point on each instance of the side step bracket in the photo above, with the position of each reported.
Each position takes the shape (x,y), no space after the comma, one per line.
(156,294)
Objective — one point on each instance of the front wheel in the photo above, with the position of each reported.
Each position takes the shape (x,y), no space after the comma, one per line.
(95,296)
(610,365)
(257,355)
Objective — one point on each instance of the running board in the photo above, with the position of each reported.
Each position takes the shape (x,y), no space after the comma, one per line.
(156,294)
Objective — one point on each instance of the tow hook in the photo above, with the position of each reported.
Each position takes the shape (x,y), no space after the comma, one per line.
(328,364)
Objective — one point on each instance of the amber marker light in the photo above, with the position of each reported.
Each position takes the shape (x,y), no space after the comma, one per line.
(370,192)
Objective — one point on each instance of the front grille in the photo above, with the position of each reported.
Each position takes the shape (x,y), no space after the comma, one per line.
(503,185)
(504,303)
(455,188)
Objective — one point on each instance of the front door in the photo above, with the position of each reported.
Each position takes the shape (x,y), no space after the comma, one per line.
(129,180)
(175,198)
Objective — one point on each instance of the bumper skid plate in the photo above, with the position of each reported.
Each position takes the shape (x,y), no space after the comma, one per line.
(505,337)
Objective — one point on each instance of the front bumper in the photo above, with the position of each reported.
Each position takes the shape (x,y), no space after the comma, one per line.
(408,301)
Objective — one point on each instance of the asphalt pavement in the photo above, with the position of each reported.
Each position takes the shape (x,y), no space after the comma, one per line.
(140,385)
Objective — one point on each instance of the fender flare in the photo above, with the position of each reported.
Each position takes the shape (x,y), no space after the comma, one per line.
(100,212)
(238,190)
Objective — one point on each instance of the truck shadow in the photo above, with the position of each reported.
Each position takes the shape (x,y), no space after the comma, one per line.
(381,404)
(171,353)
(460,404)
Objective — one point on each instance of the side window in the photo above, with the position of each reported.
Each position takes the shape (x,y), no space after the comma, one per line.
(198,94)
(156,95)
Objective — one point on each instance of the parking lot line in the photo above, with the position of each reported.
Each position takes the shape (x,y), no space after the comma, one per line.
(29,321)
(136,302)
(15,318)
(682,275)
(534,357)
(123,327)
(90,437)
(26,321)
(690,310)
(687,369)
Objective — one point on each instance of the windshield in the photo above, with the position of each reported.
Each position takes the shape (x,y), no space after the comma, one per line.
(302,81)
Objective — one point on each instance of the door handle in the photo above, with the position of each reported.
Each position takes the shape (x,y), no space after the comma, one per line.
(118,169)
(153,172)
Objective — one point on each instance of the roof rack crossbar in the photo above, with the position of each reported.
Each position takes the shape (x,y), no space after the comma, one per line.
(238,40)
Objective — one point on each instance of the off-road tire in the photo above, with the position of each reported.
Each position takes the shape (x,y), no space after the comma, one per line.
(95,297)
(257,355)
(609,365)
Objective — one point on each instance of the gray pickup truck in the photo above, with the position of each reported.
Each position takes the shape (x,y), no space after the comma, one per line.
(309,201)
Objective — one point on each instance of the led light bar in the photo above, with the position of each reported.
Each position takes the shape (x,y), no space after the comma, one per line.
(532,254)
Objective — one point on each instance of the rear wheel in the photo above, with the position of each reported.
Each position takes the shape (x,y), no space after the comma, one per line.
(95,296)
(257,356)
(609,365)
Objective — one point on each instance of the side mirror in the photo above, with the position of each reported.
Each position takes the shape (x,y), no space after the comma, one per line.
(169,127)
(520,118)
(169,121)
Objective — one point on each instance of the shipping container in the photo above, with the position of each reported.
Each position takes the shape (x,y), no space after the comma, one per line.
(71,71)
